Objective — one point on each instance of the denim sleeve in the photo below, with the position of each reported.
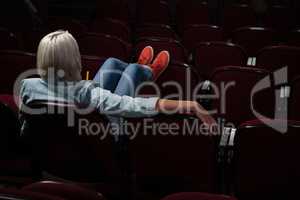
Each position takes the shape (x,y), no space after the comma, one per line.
(24,92)
(124,106)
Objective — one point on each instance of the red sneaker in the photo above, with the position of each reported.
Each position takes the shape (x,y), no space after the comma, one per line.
(160,64)
(146,56)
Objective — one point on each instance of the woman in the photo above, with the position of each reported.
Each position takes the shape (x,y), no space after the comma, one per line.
(112,90)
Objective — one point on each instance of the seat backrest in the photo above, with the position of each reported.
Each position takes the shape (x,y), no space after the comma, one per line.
(15,194)
(175,48)
(16,22)
(165,159)
(235,85)
(238,15)
(264,165)
(280,18)
(63,190)
(9,100)
(197,196)
(115,9)
(210,55)
(146,10)
(294,110)
(294,38)
(104,46)
(252,39)
(91,64)
(191,12)
(10,132)
(14,63)
(9,40)
(32,38)
(111,27)
(276,57)
(194,34)
(76,28)
(155,30)
(68,144)
(178,81)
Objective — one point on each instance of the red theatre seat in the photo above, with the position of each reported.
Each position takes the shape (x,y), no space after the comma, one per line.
(112,27)
(276,57)
(194,34)
(211,55)
(72,146)
(15,165)
(115,9)
(91,65)
(191,12)
(14,63)
(32,38)
(63,190)
(235,85)
(294,109)
(155,30)
(252,39)
(104,46)
(176,75)
(8,40)
(76,28)
(280,18)
(294,38)
(238,15)
(153,11)
(164,161)
(75,150)
(9,100)
(265,167)
(10,133)
(197,196)
(175,48)
(15,194)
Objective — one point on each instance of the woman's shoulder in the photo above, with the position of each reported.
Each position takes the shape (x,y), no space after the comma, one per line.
(32,82)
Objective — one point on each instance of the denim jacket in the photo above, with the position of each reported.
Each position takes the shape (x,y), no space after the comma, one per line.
(87,93)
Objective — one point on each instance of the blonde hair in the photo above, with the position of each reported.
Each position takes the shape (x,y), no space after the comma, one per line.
(59,51)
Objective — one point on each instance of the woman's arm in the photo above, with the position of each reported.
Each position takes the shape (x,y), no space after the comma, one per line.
(185,107)
(126,106)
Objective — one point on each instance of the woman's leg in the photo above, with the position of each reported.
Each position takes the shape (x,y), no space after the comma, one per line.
(132,77)
(110,73)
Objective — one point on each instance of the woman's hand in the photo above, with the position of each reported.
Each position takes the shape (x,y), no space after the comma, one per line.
(185,107)
(203,114)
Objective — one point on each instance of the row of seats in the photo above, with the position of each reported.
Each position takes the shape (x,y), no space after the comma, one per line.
(244,161)
(51,190)
(187,77)
(234,87)
(251,38)
(197,12)
(117,35)
(188,12)
(211,55)
(206,58)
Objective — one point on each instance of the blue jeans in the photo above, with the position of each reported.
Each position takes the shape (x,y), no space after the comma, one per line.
(122,78)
